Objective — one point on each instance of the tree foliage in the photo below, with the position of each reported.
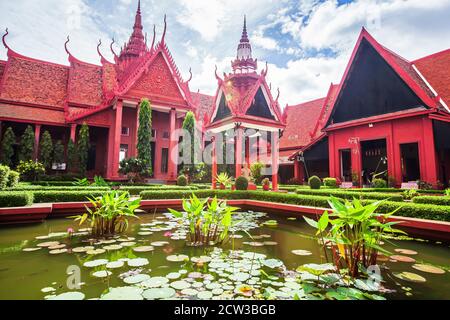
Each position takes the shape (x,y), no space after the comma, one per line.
(26,147)
(188,145)
(46,150)
(7,150)
(83,148)
(144,147)
(58,152)
(72,156)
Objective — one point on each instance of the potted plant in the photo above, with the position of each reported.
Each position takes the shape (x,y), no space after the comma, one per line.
(224,180)
(266,184)
(355,179)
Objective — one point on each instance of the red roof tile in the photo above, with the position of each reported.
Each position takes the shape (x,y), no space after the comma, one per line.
(203,104)
(32,114)
(301,121)
(85,84)
(436,69)
(2,69)
(35,82)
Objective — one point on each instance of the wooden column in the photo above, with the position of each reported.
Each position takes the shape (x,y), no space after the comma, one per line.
(73,132)
(136,138)
(117,139)
(238,152)
(214,163)
(37,138)
(275,158)
(429,155)
(173,146)
(298,170)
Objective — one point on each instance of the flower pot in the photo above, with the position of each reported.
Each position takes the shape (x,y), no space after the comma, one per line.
(222,187)
(266,187)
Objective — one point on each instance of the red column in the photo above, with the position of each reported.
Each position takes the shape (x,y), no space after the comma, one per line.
(173,146)
(37,138)
(73,132)
(138,108)
(238,153)
(430,174)
(214,163)
(332,158)
(117,136)
(275,159)
(298,170)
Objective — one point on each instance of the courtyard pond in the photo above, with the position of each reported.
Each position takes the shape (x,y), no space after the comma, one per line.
(265,257)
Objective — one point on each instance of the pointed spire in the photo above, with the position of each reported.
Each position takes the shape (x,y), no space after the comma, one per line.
(244,37)
(136,45)
(244,61)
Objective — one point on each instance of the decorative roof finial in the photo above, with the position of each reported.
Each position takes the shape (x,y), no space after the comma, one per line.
(112,49)
(102,58)
(266,70)
(165,29)
(190,78)
(154,37)
(278,95)
(65,46)
(244,37)
(4,39)
(139,6)
(217,76)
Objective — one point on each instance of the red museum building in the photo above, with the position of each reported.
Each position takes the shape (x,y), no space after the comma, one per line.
(387,114)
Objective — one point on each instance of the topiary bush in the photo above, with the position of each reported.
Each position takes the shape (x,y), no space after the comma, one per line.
(15,199)
(330,182)
(241,183)
(379,183)
(315,182)
(182,181)
(13,179)
(4,176)
(30,170)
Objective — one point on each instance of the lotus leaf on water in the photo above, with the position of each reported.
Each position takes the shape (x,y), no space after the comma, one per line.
(95,263)
(136,278)
(205,295)
(301,252)
(31,249)
(115,264)
(428,269)
(159,293)
(58,251)
(180,285)
(96,251)
(144,249)
(155,282)
(102,274)
(123,293)
(48,244)
(406,251)
(272,263)
(159,243)
(403,258)
(178,258)
(138,262)
(69,296)
(409,276)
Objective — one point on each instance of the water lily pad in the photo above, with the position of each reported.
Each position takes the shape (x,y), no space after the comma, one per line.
(205,295)
(82,249)
(96,251)
(145,233)
(144,249)
(31,249)
(48,289)
(406,251)
(201,259)
(180,285)
(115,264)
(136,278)
(128,244)
(195,275)
(113,247)
(69,296)
(56,247)
(138,262)
(173,275)
(102,274)
(95,263)
(159,293)
(270,243)
(124,293)
(155,282)
(240,276)
(159,243)
(428,269)
(403,258)
(254,244)
(48,244)
(178,258)
(272,263)
(301,252)
(409,276)
(217,291)
(189,292)
(58,251)
(270,223)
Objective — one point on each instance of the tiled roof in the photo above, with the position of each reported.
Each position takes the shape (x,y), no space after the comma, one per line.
(2,68)
(436,69)
(32,114)
(203,104)
(301,121)
(35,82)
(85,83)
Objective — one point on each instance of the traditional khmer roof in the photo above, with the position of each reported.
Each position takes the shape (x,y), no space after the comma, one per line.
(203,104)
(83,89)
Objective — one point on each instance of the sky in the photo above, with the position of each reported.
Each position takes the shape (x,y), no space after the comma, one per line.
(307,43)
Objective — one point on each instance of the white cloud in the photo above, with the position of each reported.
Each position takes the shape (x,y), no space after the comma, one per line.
(258,39)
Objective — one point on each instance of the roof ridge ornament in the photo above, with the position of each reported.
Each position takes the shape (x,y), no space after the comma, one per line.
(4,39)
(154,37)
(112,49)
(65,46)
(165,30)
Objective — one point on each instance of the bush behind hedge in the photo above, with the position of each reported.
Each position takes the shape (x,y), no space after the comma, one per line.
(436,200)
(351,195)
(15,199)
(65,196)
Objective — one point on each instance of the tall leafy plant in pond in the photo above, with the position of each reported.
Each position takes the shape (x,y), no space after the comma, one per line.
(7,148)
(209,221)
(144,147)
(83,148)
(26,147)
(354,232)
(109,213)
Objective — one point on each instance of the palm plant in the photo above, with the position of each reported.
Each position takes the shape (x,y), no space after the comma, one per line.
(109,213)
(223,179)
(354,232)
(209,221)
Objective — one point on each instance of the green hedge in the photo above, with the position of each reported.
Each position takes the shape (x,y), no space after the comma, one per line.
(136,190)
(436,200)
(64,196)
(392,190)
(72,188)
(15,199)
(351,195)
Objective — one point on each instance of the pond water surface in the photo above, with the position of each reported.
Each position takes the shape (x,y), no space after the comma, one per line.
(23,275)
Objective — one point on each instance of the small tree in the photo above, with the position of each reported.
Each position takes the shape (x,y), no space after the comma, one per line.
(83,148)
(188,145)
(71,156)
(58,152)
(144,147)
(26,147)
(46,150)
(9,139)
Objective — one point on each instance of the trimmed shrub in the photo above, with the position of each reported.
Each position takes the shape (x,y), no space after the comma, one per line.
(330,182)
(349,195)
(7,147)
(436,200)
(65,196)
(4,176)
(379,183)
(295,181)
(30,170)
(182,181)
(59,188)
(15,199)
(423,185)
(83,147)
(136,190)
(315,182)
(241,183)
(46,150)
(13,179)
(26,146)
